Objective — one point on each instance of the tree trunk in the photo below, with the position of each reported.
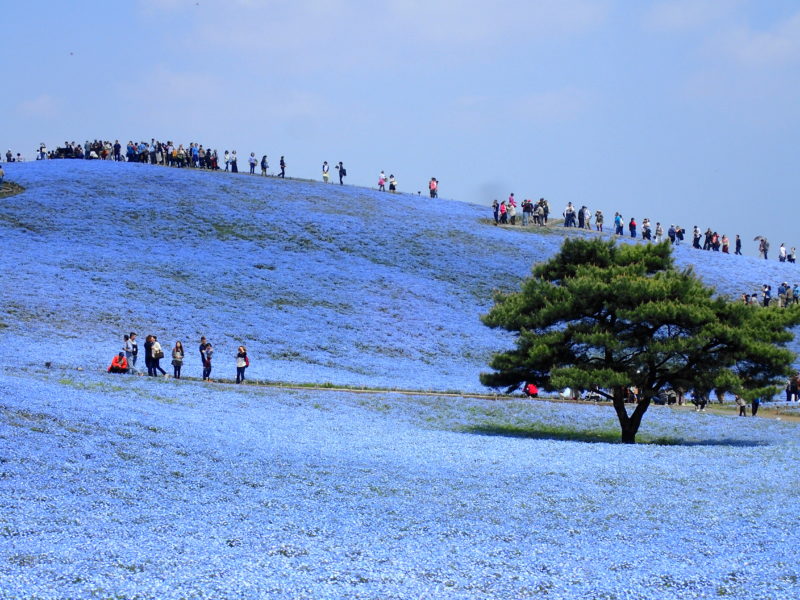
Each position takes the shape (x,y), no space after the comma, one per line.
(629,424)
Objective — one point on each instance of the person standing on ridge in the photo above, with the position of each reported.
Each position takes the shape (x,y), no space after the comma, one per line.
(325,171)
(382,182)
(433,187)
(392,184)
(738,245)
(342,172)
(264,165)
(283,168)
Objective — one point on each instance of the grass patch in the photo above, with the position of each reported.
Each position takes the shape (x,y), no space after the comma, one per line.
(541,431)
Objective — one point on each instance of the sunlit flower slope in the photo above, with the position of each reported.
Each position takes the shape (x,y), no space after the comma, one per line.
(127,487)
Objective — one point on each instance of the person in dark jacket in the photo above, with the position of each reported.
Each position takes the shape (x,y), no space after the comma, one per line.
(207,354)
(148,355)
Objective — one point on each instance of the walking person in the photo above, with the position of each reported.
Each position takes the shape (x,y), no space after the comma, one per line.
(342,172)
(264,165)
(496,211)
(158,354)
(283,168)
(740,402)
(242,362)
(382,182)
(325,171)
(207,353)
(738,245)
(598,220)
(177,359)
(148,355)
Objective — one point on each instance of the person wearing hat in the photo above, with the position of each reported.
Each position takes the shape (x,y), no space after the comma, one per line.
(119,364)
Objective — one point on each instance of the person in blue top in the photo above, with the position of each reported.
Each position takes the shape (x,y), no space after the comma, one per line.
(618,224)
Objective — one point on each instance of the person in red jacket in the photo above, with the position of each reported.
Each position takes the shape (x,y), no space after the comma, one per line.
(119,364)
(531,391)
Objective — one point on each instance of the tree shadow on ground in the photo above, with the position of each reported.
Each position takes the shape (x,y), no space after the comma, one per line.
(538,432)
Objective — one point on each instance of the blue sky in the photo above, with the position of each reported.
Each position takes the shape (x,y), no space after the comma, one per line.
(683,111)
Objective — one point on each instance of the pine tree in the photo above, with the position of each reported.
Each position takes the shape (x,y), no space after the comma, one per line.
(607,317)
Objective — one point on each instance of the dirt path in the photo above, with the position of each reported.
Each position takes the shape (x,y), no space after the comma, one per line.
(726,410)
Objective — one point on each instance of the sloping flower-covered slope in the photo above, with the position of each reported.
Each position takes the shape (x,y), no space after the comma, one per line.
(321,283)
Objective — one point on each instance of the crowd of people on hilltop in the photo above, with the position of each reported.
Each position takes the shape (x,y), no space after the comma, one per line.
(126,359)
(505,212)
(195,155)
(537,213)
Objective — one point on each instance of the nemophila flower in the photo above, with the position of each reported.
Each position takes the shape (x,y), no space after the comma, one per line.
(164,489)
(114,486)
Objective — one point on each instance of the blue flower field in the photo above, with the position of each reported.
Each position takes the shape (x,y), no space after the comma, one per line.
(122,487)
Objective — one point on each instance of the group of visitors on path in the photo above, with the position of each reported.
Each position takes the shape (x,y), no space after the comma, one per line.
(126,359)
(785,295)
(505,213)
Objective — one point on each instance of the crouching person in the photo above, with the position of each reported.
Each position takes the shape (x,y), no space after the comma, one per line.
(531,391)
(119,364)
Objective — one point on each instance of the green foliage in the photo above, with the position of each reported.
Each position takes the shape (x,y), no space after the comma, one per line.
(599,315)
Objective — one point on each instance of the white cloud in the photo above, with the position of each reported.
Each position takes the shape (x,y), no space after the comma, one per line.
(776,46)
(43,106)
(470,21)
(681,15)
(308,35)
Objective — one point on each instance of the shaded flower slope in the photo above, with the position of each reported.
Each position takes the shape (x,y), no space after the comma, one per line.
(121,487)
